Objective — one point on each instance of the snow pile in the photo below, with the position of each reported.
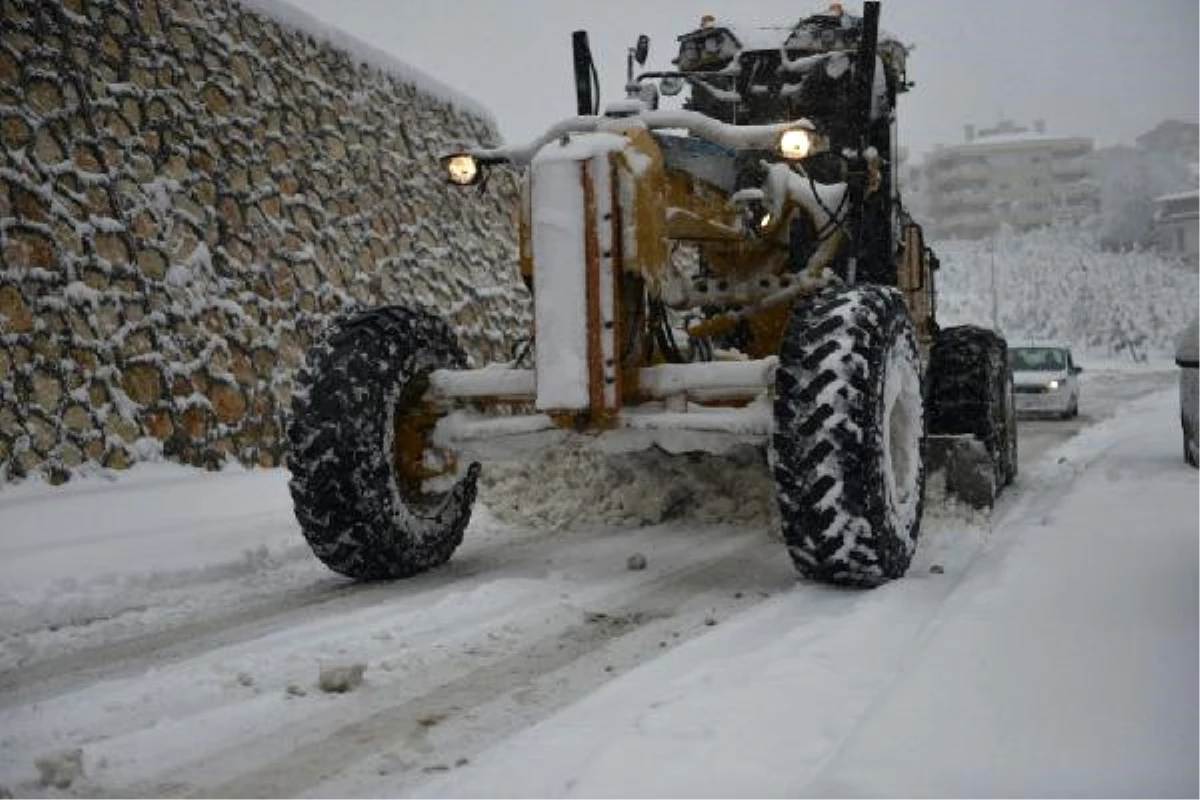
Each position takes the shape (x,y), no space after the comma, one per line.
(60,770)
(1057,283)
(341,678)
(577,483)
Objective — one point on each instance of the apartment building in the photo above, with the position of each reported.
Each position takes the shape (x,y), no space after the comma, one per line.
(1173,137)
(1177,224)
(1008,175)
(1177,215)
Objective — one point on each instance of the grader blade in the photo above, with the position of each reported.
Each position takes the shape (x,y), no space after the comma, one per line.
(963,468)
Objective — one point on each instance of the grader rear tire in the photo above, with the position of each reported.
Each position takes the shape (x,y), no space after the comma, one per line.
(971,392)
(358,445)
(849,423)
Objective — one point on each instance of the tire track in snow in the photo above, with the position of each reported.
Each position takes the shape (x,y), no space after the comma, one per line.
(486,558)
(833,625)
(27,684)
(1047,481)
(478,708)
(49,676)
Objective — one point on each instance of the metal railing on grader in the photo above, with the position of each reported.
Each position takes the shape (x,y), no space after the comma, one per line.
(739,270)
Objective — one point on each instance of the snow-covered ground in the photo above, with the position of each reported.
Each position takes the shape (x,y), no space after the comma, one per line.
(164,630)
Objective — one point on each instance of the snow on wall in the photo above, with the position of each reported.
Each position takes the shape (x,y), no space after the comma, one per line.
(294,19)
(1057,283)
(189,190)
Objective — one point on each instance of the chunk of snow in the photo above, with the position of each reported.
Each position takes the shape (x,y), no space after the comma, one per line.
(61,769)
(178,275)
(341,678)
(79,293)
(147,448)
(201,258)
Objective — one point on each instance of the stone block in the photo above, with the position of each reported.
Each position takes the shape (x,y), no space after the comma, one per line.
(45,390)
(228,402)
(77,418)
(43,434)
(15,132)
(159,425)
(194,423)
(111,247)
(152,263)
(44,96)
(143,383)
(28,248)
(14,310)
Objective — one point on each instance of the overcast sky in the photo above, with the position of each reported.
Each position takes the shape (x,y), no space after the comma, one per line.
(1109,69)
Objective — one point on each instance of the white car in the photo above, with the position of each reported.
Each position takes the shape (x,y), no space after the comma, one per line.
(1045,378)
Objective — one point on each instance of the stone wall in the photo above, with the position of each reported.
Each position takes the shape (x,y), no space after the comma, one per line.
(188,192)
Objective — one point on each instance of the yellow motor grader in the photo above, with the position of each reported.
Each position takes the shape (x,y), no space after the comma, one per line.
(736,271)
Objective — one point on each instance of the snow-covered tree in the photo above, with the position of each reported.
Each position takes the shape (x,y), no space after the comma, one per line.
(1129,180)
(1059,283)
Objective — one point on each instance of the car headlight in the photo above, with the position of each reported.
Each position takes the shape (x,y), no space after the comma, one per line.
(461,168)
(1053,386)
(796,143)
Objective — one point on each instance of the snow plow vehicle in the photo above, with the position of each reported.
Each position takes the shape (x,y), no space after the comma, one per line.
(736,271)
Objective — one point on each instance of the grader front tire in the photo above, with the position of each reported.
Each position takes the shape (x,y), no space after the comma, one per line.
(358,438)
(849,422)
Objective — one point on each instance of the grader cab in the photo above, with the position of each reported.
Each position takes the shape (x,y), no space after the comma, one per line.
(736,272)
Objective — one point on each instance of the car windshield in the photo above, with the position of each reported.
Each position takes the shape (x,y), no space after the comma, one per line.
(1038,358)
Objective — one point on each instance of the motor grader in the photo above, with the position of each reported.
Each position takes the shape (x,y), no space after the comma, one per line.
(736,271)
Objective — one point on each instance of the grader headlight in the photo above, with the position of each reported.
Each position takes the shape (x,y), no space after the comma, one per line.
(797,143)
(461,168)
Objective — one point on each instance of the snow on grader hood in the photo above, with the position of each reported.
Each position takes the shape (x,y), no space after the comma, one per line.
(736,272)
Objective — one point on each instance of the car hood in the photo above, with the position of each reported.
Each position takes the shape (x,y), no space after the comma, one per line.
(1038,377)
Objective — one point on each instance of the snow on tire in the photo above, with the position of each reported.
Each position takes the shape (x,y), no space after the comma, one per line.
(970,391)
(357,478)
(849,422)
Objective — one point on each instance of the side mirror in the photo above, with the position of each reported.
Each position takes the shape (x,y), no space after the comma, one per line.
(642,50)
(1076,369)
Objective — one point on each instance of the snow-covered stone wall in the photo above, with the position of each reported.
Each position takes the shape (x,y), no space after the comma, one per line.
(189,190)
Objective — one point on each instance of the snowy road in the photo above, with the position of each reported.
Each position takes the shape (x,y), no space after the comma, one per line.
(171,625)
(1102,392)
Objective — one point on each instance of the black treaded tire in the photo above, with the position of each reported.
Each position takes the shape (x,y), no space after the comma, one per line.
(970,391)
(359,515)
(848,403)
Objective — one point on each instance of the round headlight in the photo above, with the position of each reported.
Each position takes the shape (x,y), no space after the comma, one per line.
(462,169)
(670,85)
(795,144)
